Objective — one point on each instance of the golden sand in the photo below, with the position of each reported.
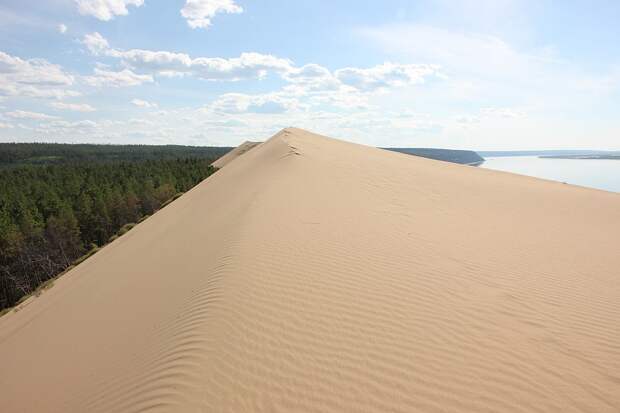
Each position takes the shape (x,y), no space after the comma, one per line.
(315,275)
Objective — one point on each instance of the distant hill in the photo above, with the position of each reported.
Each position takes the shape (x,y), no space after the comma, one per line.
(448,155)
(549,152)
(609,155)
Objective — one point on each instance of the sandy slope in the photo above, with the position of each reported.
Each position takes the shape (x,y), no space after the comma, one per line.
(314,275)
(235,153)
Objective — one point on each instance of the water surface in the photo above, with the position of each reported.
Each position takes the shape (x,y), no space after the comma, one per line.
(594,173)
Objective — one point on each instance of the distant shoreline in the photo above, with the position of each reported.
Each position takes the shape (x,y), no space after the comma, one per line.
(548,153)
(582,157)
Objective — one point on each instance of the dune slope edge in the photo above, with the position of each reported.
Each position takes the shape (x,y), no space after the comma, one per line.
(315,275)
(234,154)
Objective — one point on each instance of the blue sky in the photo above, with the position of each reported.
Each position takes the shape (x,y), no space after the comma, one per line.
(476,74)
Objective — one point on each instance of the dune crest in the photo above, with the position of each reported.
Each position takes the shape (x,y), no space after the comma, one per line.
(316,275)
(235,153)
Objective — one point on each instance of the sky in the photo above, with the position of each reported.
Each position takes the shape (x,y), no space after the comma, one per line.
(464,74)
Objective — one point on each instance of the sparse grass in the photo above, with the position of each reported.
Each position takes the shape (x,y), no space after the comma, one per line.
(176,196)
(47,284)
(94,248)
(125,228)
(38,291)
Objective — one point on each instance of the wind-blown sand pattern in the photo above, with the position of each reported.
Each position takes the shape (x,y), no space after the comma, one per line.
(235,153)
(315,275)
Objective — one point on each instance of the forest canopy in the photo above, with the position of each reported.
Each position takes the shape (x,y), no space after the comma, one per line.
(57,202)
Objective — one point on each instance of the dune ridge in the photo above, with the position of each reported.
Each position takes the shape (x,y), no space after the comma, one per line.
(316,275)
(235,153)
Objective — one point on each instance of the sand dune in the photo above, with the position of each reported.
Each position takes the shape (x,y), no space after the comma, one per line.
(235,153)
(315,275)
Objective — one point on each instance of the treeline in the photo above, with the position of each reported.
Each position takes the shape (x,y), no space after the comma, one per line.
(51,215)
(13,154)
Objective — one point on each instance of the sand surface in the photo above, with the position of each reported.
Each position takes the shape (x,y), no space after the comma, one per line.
(315,275)
(235,153)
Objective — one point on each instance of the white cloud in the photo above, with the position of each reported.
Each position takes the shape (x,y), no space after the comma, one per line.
(316,78)
(76,107)
(345,97)
(62,29)
(106,9)
(96,43)
(502,112)
(351,88)
(228,123)
(32,72)
(140,122)
(13,89)
(199,13)
(165,63)
(82,124)
(312,77)
(35,78)
(306,79)
(385,75)
(457,52)
(246,66)
(22,114)
(242,103)
(246,115)
(6,125)
(467,120)
(313,87)
(60,128)
(143,103)
(155,61)
(124,78)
